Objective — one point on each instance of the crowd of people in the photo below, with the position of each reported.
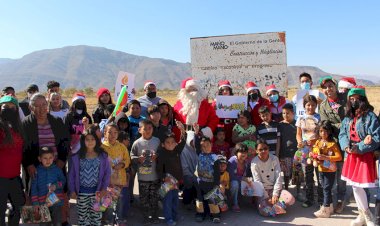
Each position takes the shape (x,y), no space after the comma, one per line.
(187,150)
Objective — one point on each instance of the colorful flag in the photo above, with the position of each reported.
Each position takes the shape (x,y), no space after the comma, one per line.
(121,101)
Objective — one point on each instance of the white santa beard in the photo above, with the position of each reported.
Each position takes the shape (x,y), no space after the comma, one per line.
(190,105)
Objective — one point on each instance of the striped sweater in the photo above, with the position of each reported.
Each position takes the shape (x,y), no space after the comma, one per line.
(45,176)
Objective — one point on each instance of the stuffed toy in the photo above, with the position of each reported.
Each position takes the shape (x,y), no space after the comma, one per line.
(268,210)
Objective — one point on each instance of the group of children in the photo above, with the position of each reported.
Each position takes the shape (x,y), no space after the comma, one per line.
(111,154)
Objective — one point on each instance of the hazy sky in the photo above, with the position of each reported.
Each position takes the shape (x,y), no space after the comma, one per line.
(339,37)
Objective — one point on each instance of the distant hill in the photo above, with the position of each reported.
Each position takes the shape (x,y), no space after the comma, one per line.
(87,66)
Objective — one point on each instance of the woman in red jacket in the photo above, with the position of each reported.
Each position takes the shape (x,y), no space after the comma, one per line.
(255,101)
(11,144)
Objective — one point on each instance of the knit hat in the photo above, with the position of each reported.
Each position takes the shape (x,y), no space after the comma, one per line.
(224,83)
(148,83)
(188,82)
(102,91)
(360,90)
(347,82)
(271,88)
(78,96)
(323,80)
(8,99)
(251,86)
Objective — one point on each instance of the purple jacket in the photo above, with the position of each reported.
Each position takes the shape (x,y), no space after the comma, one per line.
(104,173)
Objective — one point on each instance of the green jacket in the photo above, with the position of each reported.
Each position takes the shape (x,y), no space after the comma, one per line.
(336,118)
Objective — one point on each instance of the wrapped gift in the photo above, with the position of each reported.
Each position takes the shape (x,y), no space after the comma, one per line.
(109,200)
(253,188)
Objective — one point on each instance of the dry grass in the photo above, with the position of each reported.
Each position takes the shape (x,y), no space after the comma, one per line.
(373,94)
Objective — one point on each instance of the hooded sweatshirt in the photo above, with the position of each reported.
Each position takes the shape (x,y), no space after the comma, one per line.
(189,155)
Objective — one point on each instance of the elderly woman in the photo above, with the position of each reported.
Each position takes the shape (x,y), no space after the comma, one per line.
(11,143)
(359,137)
(43,130)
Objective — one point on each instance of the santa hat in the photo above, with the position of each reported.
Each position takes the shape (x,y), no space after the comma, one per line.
(186,83)
(78,96)
(148,83)
(251,86)
(102,91)
(271,88)
(360,90)
(224,83)
(347,82)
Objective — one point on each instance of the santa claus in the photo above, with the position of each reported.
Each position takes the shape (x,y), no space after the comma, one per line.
(193,107)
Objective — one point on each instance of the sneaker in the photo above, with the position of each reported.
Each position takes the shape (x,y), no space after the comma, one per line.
(339,207)
(216,220)
(236,208)
(171,223)
(323,212)
(199,217)
(307,204)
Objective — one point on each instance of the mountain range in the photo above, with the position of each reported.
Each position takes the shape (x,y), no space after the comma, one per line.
(87,66)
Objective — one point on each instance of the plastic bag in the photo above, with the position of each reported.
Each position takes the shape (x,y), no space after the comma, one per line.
(29,216)
(170,184)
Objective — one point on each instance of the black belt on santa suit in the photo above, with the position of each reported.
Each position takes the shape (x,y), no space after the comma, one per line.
(191,128)
(226,121)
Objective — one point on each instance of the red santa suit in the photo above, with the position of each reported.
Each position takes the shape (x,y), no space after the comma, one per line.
(205,116)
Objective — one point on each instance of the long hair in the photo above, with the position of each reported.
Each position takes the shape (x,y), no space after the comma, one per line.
(326,125)
(83,149)
(16,126)
(51,96)
(73,107)
(364,107)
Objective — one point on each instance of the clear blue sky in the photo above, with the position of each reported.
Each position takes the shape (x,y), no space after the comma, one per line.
(338,36)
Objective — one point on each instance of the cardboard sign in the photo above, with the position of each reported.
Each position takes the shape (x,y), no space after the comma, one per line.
(260,58)
(299,101)
(127,79)
(230,106)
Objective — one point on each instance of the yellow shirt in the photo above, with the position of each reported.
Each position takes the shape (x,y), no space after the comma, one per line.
(118,153)
(329,149)
(225,180)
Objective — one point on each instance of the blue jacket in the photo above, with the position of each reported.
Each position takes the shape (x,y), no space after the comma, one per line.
(47,175)
(365,125)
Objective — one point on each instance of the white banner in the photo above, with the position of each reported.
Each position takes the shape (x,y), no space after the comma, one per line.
(260,58)
(125,78)
(230,106)
(299,104)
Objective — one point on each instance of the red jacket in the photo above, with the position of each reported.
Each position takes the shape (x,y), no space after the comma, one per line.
(277,111)
(11,155)
(206,118)
(255,118)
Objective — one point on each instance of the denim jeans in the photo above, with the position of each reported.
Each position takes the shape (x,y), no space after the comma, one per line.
(170,204)
(340,184)
(327,182)
(234,189)
(123,204)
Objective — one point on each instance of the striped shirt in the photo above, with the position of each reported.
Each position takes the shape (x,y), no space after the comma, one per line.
(270,133)
(46,138)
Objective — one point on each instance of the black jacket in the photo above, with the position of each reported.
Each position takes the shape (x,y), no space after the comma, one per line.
(31,147)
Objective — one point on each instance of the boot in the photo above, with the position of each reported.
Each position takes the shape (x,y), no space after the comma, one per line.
(368,216)
(323,212)
(359,221)
(377,213)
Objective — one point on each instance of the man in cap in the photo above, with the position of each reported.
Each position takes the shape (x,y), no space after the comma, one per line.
(150,98)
